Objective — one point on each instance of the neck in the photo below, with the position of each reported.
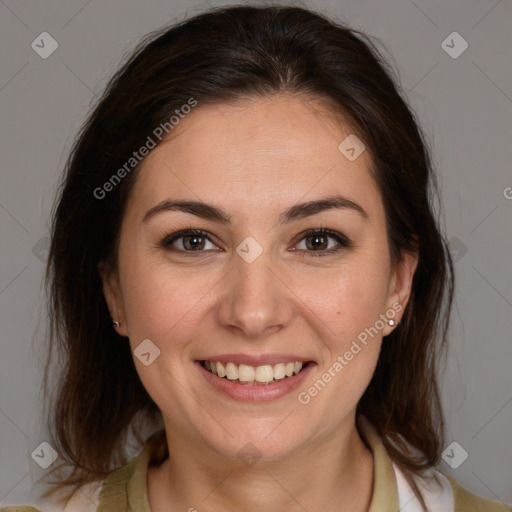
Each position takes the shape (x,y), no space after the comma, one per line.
(330,474)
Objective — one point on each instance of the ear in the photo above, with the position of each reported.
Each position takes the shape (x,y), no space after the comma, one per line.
(400,286)
(113,296)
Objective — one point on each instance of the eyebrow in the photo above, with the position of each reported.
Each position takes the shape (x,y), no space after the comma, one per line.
(295,212)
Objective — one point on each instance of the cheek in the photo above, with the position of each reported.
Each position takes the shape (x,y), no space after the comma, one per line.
(346,300)
(160,303)
(350,330)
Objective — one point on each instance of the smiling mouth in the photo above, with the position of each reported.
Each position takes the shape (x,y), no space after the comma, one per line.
(254,375)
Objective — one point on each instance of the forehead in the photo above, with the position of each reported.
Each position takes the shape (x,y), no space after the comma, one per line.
(278,149)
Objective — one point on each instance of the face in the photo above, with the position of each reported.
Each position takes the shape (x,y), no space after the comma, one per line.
(250,287)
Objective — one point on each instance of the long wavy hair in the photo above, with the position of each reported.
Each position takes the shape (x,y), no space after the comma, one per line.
(222,55)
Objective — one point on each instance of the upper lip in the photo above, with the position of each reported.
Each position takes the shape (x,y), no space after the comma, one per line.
(255,361)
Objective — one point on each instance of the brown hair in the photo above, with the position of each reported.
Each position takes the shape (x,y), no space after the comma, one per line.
(223,55)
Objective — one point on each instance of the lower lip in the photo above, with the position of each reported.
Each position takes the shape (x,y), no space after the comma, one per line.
(255,392)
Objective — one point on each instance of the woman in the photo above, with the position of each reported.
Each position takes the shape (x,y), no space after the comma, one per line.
(244,249)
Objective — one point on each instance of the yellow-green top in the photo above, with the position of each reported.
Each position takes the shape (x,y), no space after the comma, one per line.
(125,489)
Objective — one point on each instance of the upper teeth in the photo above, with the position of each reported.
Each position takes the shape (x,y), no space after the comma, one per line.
(244,373)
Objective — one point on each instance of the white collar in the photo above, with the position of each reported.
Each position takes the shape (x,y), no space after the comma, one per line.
(438,495)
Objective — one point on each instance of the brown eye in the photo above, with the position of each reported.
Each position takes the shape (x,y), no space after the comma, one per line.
(193,242)
(188,241)
(317,242)
(320,241)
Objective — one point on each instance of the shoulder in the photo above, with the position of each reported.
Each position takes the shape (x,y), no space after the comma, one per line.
(84,499)
(121,489)
(19,508)
(441,493)
(465,501)
(125,489)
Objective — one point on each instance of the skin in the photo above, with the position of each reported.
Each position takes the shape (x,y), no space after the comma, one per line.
(254,159)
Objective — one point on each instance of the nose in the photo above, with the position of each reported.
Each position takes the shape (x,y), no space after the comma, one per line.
(255,301)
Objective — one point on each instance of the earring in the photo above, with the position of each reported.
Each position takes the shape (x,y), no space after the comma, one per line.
(116,323)
(391,322)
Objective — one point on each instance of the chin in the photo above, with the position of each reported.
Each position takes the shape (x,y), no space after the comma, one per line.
(254,440)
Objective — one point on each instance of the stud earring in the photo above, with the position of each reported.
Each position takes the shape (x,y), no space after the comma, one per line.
(391,322)
(116,323)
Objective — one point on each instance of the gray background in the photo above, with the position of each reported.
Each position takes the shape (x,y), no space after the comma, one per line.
(464,105)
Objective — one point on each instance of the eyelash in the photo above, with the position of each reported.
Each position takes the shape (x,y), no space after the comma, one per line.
(343,241)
